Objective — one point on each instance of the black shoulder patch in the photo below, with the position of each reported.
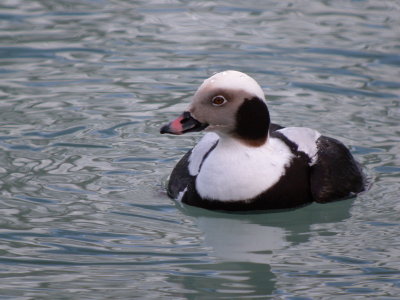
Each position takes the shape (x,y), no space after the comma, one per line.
(252,120)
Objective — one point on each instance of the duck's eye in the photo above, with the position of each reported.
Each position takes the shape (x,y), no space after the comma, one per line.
(218,100)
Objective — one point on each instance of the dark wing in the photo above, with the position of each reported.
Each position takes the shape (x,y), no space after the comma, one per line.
(336,174)
(180,177)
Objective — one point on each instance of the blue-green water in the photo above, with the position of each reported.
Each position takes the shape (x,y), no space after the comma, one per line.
(85,86)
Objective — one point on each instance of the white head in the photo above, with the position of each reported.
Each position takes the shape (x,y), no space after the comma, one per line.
(233,80)
(229,103)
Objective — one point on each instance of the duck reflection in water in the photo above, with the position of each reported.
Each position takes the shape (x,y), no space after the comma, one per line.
(244,247)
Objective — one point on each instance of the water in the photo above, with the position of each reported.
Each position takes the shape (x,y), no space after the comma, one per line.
(85,86)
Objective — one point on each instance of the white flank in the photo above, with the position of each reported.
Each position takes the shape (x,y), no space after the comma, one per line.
(199,151)
(305,139)
(234,171)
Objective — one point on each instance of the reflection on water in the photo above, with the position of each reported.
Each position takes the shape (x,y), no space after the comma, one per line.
(84,88)
(237,240)
(255,237)
(245,246)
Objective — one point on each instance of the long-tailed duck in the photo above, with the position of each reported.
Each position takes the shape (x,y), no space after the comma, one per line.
(247,163)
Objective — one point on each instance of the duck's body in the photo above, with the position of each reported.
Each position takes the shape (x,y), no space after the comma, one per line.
(248,163)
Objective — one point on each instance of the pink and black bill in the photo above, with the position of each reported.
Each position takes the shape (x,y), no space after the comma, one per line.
(184,123)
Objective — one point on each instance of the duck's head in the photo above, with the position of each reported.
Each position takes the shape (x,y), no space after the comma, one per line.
(229,103)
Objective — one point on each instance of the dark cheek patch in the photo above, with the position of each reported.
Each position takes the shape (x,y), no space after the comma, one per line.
(252,121)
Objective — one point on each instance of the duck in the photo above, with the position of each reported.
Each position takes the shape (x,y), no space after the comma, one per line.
(246,163)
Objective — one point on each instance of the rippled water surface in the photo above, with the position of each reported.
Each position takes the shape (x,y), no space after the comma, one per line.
(85,86)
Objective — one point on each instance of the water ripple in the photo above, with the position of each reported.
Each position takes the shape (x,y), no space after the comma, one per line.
(56,133)
(85,87)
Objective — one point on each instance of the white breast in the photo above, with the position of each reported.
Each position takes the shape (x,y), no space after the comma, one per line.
(234,171)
